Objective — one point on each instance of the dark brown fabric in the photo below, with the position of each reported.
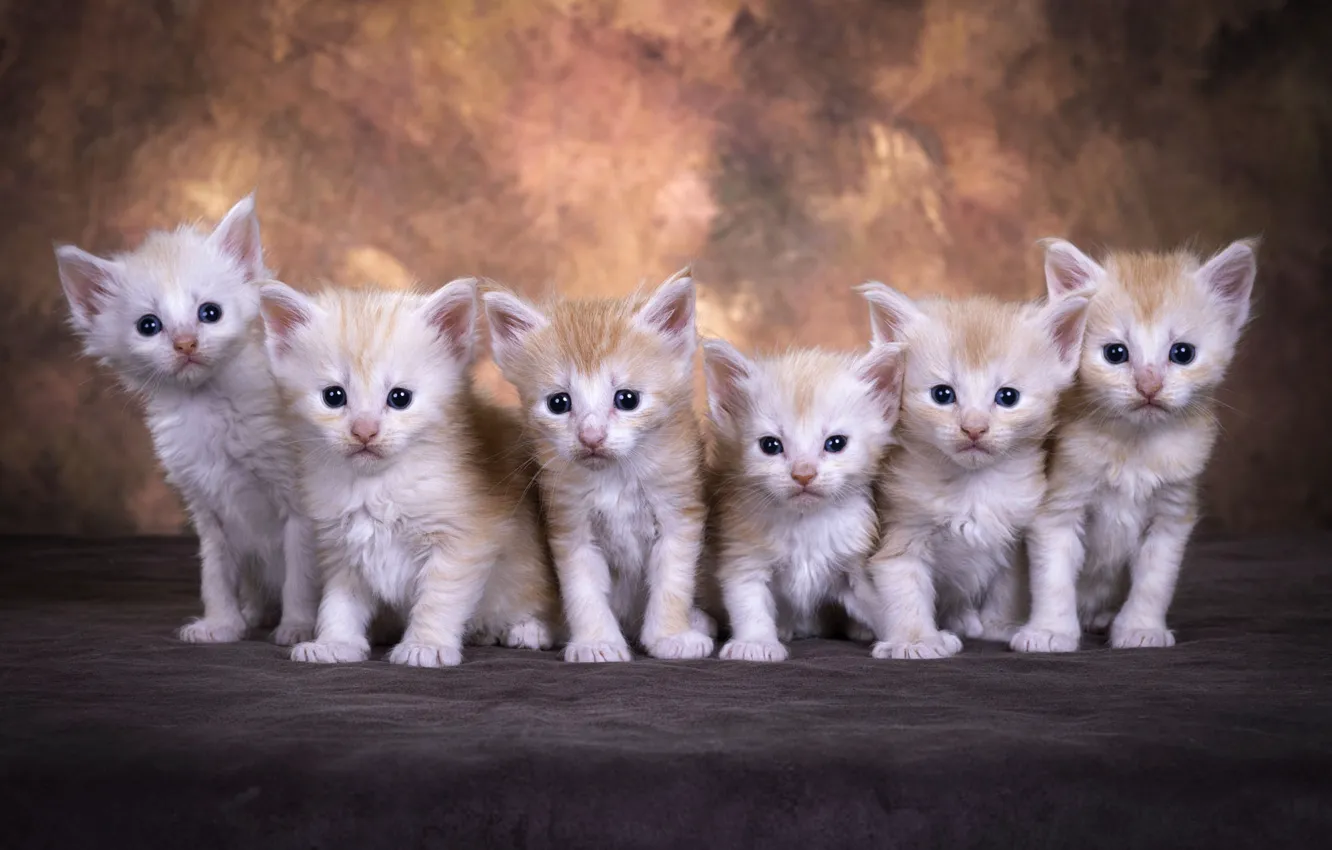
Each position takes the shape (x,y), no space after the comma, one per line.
(114,734)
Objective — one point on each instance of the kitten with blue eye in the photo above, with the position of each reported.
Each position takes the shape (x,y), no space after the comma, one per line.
(607,395)
(418,487)
(983,379)
(797,440)
(1134,439)
(175,319)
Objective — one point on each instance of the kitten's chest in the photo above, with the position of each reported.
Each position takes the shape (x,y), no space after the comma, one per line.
(821,551)
(985,512)
(373,536)
(624,522)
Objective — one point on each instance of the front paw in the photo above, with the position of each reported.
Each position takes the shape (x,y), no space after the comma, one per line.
(528,634)
(1130,638)
(753,650)
(597,652)
(212,631)
(425,655)
(315,652)
(1100,624)
(700,621)
(1044,640)
(859,632)
(967,624)
(290,634)
(939,645)
(685,645)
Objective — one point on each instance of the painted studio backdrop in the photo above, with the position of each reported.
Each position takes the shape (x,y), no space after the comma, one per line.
(788,148)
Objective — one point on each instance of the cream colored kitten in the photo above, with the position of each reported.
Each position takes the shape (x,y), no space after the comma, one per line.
(1137,432)
(606,388)
(797,440)
(983,378)
(415,485)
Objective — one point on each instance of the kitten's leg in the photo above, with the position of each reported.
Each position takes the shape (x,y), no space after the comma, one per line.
(672,569)
(905,622)
(965,620)
(300,586)
(1002,612)
(585,587)
(344,618)
(750,607)
(223,621)
(1055,556)
(860,605)
(1141,622)
(451,585)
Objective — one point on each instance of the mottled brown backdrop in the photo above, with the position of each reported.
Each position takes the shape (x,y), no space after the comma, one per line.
(790,148)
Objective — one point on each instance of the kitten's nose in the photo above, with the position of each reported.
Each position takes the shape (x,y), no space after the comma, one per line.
(803,473)
(185,343)
(592,438)
(1148,382)
(365,430)
(975,432)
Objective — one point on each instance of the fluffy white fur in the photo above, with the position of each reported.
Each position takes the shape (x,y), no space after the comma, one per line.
(212,408)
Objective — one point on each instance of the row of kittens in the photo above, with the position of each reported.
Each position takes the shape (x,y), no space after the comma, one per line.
(984,469)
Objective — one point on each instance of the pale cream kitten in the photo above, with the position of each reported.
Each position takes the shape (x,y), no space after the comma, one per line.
(983,378)
(1133,440)
(416,486)
(797,440)
(607,391)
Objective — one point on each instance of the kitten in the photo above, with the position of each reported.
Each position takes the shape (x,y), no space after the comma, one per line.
(175,319)
(797,440)
(607,392)
(1137,432)
(412,480)
(983,378)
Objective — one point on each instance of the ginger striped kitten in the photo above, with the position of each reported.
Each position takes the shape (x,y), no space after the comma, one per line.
(607,392)
(797,440)
(983,378)
(414,483)
(1134,438)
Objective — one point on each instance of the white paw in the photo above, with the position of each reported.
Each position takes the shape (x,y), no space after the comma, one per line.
(425,655)
(997,630)
(290,634)
(752,650)
(528,634)
(689,644)
(597,652)
(859,632)
(329,653)
(939,645)
(1043,640)
(1140,638)
(1101,622)
(212,631)
(699,621)
(967,624)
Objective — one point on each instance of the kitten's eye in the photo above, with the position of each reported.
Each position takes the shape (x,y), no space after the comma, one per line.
(770,445)
(1116,353)
(943,394)
(148,325)
(626,400)
(335,396)
(1007,397)
(559,403)
(1182,353)
(399,399)
(834,444)
(209,312)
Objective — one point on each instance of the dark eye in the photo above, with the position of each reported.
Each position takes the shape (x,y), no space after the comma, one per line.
(626,400)
(399,399)
(1182,353)
(770,445)
(335,396)
(1007,397)
(209,312)
(558,403)
(943,394)
(1116,353)
(149,325)
(834,444)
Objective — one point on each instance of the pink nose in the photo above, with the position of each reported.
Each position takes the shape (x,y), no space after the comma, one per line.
(592,438)
(185,344)
(1148,383)
(975,432)
(365,430)
(803,473)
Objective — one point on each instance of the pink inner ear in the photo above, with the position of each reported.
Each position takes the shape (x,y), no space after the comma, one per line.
(238,236)
(725,371)
(455,319)
(1068,270)
(282,316)
(883,368)
(1067,323)
(1230,273)
(671,309)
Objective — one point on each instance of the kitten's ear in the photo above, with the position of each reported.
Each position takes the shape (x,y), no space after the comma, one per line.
(238,237)
(1068,270)
(87,280)
(451,310)
(884,367)
(890,311)
(670,311)
(725,369)
(512,320)
(1065,322)
(285,311)
(1229,274)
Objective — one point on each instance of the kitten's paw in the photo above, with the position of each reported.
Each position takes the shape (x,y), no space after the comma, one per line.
(968,624)
(484,638)
(528,634)
(687,644)
(425,655)
(941,645)
(1100,624)
(1043,640)
(753,650)
(314,652)
(1128,638)
(290,634)
(597,652)
(212,631)
(859,632)
(998,630)
(699,621)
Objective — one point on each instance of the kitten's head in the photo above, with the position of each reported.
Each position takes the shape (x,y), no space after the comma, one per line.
(1162,328)
(597,378)
(173,309)
(983,377)
(372,372)
(807,427)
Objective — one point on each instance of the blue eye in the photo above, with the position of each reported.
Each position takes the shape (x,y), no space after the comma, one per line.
(335,396)
(148,325)
(559,403)
(834,444)
(943,394)
(1007,397)
(399,399)
(1182,353)
(209,312)
(1115,353)
(626,400)
(770,445)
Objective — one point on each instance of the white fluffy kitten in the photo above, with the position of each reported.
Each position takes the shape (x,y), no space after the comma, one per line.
(983,378)
(413,482)
(175,319)
(1135,436)
(797,440)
